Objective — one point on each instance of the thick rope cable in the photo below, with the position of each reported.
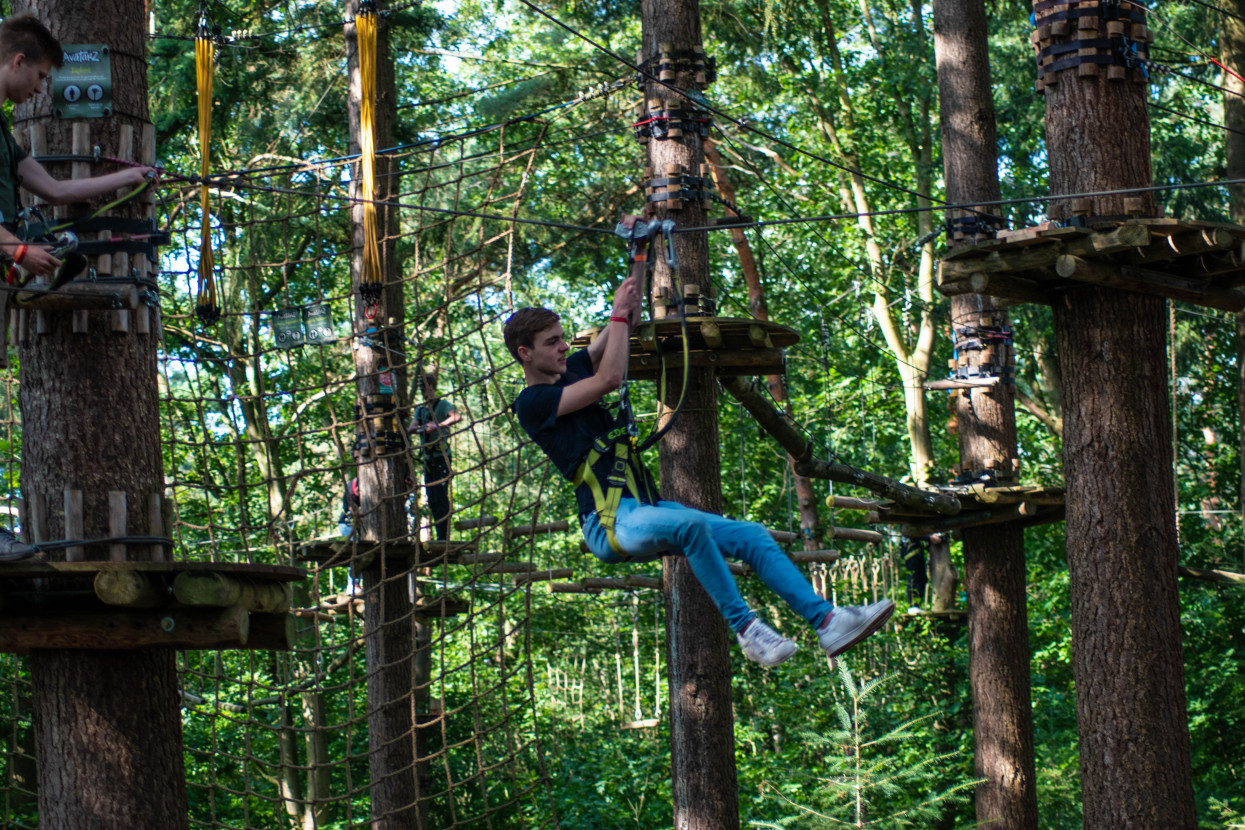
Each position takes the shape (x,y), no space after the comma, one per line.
(371,280)
(206,307)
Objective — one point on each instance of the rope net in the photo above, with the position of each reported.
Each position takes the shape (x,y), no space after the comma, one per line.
(263,445)
(409,692)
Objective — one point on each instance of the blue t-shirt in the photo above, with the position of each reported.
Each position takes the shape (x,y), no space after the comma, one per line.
(566,439)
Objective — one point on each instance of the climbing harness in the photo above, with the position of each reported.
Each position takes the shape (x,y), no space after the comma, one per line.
(625,473)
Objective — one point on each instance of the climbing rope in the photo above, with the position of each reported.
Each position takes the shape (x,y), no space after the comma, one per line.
(370,278)
(206,307)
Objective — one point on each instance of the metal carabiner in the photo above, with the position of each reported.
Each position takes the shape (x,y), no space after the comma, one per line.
(667,232)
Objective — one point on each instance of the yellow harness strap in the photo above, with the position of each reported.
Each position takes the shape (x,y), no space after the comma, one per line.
(606,498)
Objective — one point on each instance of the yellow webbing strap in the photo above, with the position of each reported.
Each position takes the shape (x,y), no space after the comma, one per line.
(606,498)
(205,298)
(370,279)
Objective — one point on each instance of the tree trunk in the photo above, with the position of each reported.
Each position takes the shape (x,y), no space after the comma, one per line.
(108,729)
(1121,532)
(702,736)
(994,558)
(943,577)
(384,469)
(1232,47)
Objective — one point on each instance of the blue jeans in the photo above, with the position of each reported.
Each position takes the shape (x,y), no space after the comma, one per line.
(648,532)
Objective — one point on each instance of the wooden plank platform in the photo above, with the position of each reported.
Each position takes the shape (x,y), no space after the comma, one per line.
(979,505)
(734,346)
(1202,263)
(128,605)
(342,553)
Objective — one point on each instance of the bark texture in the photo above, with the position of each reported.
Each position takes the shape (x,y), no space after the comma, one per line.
(994,558)
(702,735)
(108,732)
(1121,530)
(1127,656)
(109,740)
(702,729)
(383,470)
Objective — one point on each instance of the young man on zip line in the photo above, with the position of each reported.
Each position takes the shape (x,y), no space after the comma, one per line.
(622,516)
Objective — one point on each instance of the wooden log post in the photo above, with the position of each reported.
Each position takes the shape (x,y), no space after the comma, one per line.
(108,726)
(1121,530)
(702,735)
(994,558)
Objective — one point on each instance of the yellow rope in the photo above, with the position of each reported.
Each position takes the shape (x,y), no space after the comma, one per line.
(370,280)
(205,301)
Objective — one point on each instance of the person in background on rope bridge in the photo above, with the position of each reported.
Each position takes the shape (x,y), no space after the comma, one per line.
(28,54)
(432,416)
(350,502)
(915,554)
(561,408)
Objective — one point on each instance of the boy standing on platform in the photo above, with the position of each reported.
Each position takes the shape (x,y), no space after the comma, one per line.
(561,409)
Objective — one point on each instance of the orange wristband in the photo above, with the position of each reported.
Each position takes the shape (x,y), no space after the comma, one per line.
(20,254)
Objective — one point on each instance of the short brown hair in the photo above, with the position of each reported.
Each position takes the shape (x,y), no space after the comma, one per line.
(523,326)
(25,34)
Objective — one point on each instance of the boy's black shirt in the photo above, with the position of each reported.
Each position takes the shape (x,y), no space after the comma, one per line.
(566,439)
(11,154)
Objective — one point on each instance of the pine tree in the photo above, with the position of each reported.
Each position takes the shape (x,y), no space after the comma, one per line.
(867,782)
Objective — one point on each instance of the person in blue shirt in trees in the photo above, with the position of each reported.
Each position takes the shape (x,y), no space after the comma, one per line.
(561,408)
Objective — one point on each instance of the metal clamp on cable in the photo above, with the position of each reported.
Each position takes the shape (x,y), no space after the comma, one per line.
(66,242)
(637,231)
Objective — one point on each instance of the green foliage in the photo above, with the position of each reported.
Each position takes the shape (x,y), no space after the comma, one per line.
(864,778)
(257,441)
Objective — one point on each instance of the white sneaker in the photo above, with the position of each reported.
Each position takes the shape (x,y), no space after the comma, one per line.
(849,624)
(764,645)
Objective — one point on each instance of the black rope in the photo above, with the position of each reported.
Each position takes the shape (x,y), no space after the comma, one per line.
(1196,120)
(1159,67)
(737,122)
(60,544)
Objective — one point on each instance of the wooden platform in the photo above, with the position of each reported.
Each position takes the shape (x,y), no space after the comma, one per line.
(128,605)
(1195,262)
(979,505)
(402,555)
(734,346)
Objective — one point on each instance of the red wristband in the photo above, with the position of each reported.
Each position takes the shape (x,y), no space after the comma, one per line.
(20,254)
(616,319)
